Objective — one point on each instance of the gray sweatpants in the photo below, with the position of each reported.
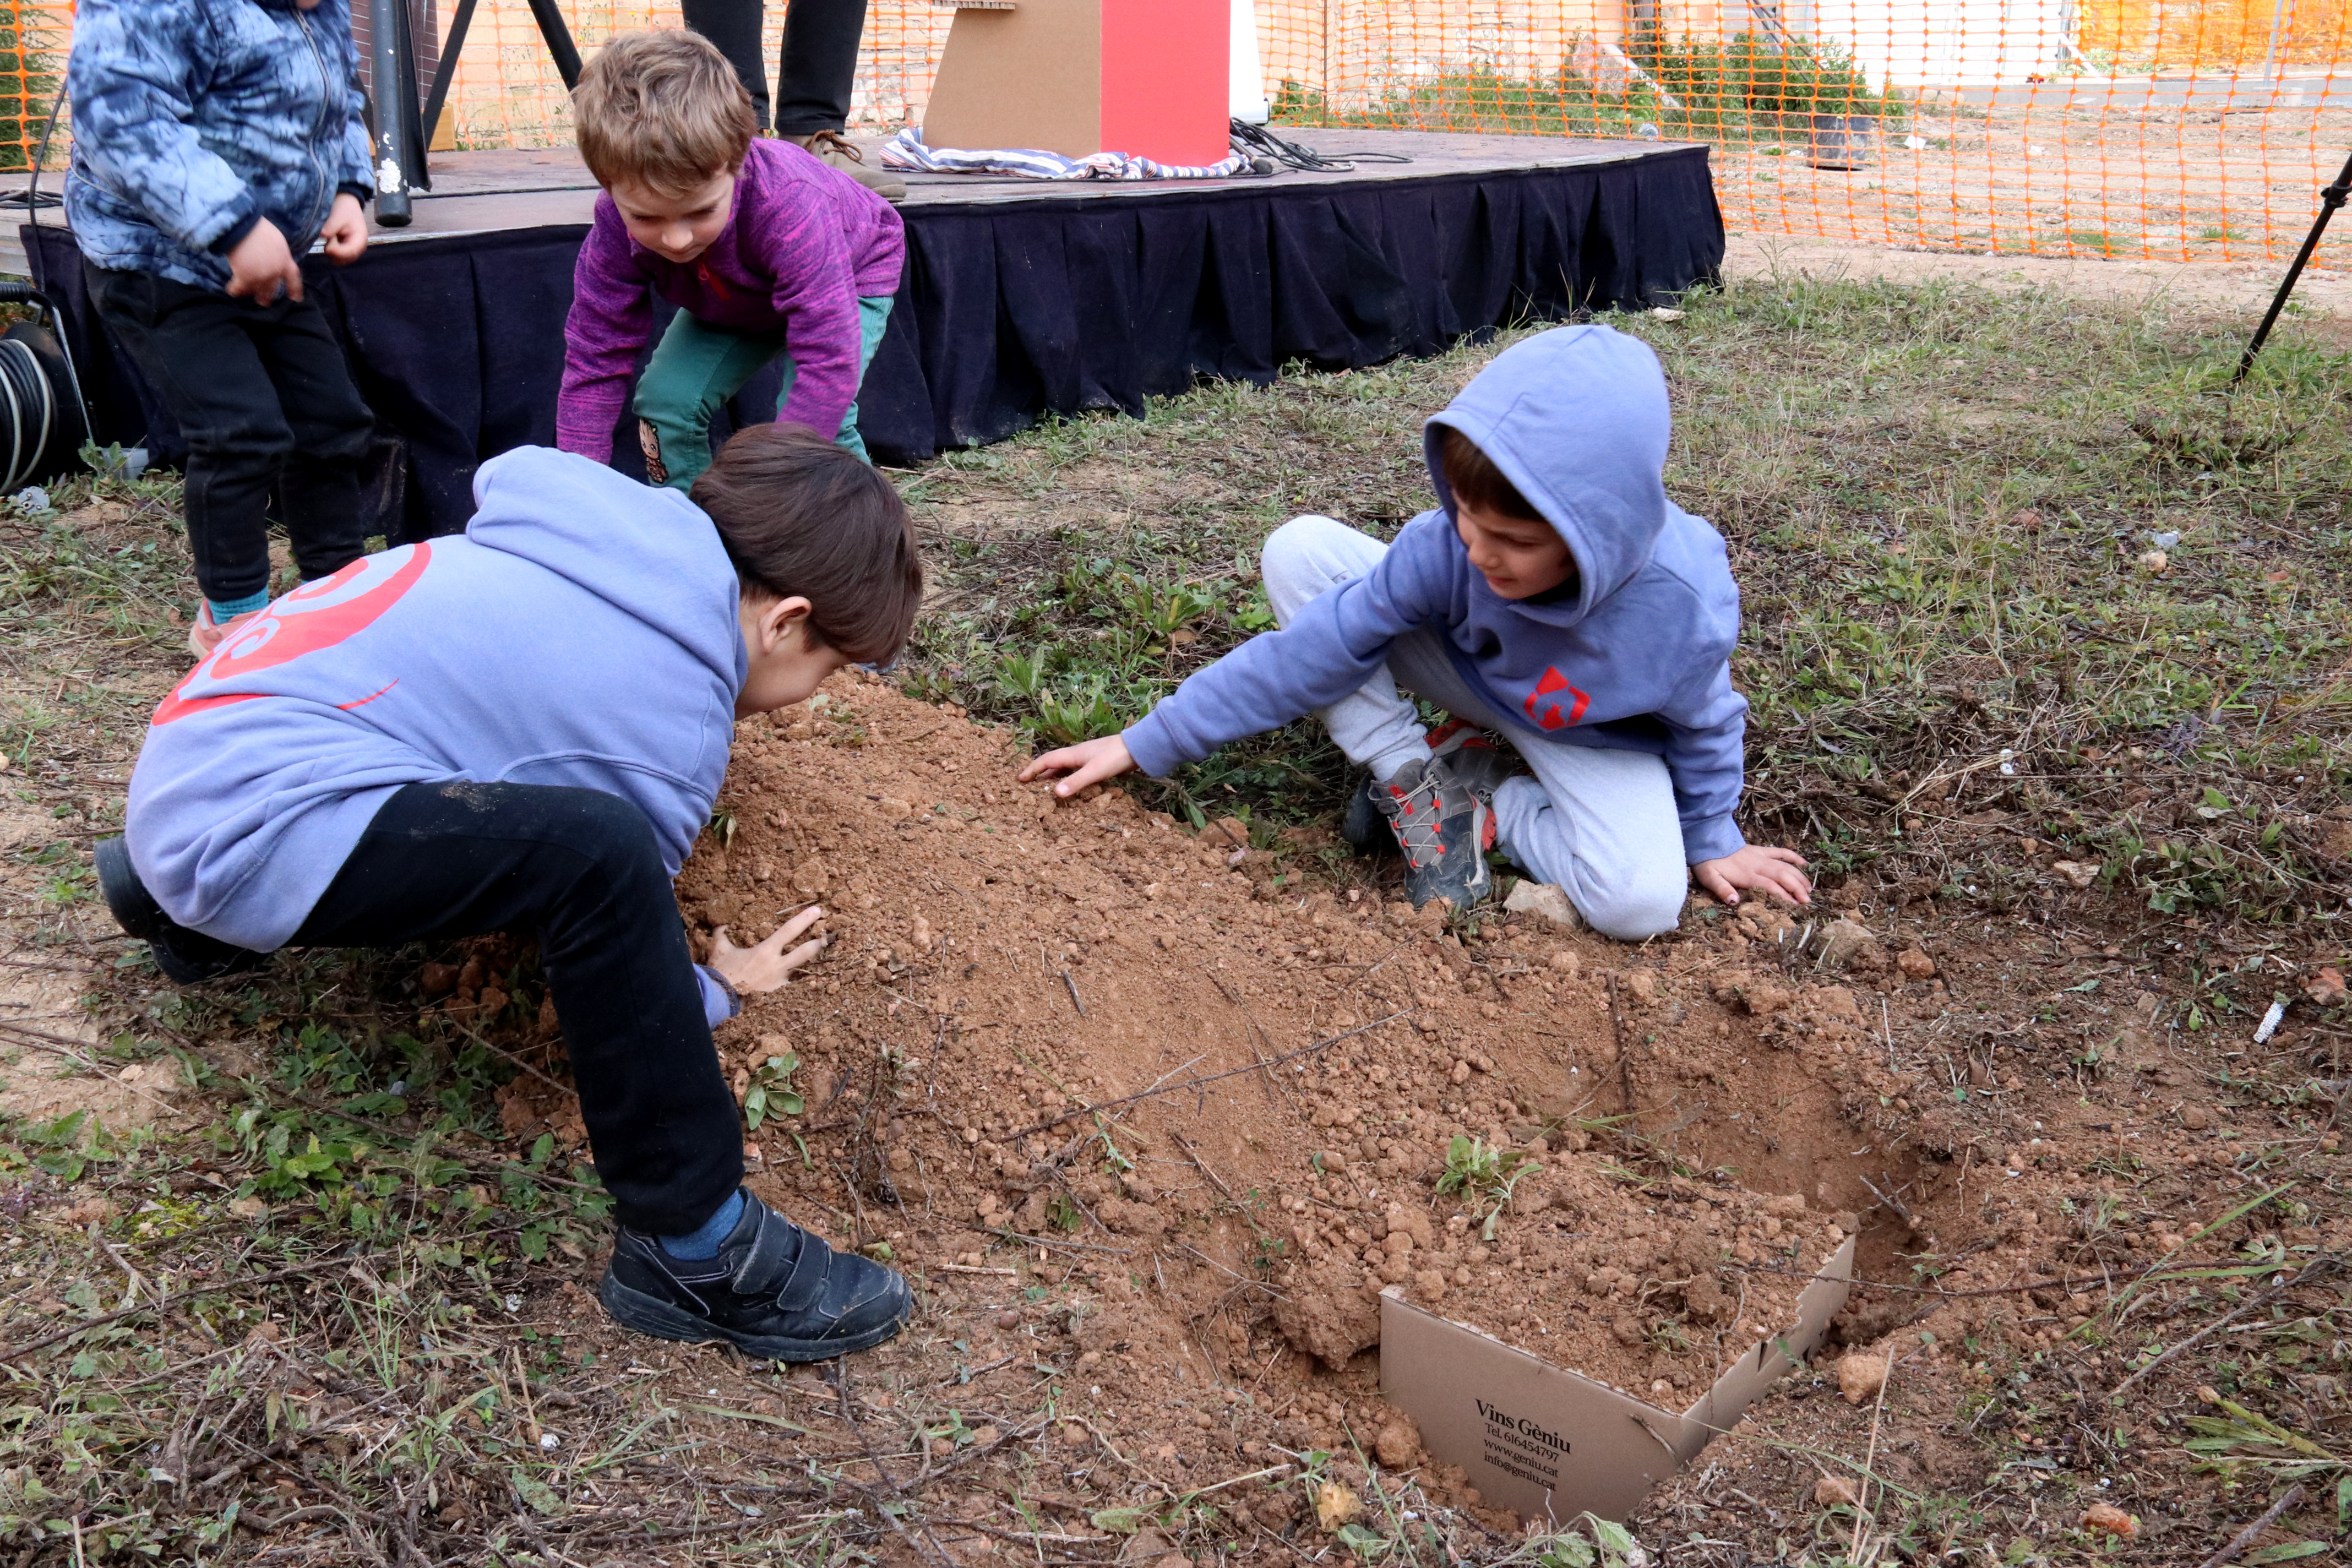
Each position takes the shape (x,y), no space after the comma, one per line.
(1599,824)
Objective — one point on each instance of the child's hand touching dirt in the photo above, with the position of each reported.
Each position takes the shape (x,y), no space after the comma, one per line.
(1763,867)
(1088,763)
(765,966)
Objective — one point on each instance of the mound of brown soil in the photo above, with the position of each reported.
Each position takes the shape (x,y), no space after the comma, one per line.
(1156,1096)
(1282,1071)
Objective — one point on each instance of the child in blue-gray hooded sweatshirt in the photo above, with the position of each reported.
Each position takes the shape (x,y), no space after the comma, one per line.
(213,141)
(1556,597)
(524,729)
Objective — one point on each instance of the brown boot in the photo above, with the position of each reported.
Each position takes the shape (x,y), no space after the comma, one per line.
(832,147)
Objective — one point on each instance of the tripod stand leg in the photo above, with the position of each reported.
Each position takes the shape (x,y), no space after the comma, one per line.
(447,72)
(557,38)
(2330,198)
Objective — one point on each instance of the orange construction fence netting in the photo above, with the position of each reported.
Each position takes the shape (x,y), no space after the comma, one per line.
(2172,129)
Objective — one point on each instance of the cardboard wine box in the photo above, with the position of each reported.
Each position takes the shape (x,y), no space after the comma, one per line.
(1550,1443)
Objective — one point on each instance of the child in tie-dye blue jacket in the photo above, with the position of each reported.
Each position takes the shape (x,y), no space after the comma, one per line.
(214,141)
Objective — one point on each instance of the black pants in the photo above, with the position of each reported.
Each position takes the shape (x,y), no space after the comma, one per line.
(265,401)
(581,869)
(818,63)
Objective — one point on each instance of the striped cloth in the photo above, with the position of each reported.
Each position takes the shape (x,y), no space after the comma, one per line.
(907,151)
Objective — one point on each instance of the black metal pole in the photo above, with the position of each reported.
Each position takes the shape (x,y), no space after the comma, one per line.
(2330,198)
(557,38)
(387,78)
(412,147)
(446,71)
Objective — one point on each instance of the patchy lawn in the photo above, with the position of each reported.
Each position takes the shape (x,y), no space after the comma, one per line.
(2047,644)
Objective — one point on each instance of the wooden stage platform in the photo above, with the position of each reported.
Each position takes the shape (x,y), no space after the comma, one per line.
(1020,298)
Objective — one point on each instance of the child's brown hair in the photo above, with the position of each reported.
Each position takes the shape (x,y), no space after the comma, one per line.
(661,110)
(799,514)
(1476,482)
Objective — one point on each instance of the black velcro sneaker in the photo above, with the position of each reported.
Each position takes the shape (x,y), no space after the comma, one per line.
(774,1291)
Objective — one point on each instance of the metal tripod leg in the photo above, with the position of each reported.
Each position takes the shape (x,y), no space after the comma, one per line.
(2330,198)
(557,38)
(446,72)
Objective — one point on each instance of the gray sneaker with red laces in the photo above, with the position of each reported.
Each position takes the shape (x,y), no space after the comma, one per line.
(1444,826)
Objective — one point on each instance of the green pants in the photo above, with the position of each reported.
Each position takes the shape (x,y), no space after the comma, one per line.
(697,367)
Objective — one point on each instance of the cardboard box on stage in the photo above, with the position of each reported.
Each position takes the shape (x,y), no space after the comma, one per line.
(1549,1444)
(1142,77)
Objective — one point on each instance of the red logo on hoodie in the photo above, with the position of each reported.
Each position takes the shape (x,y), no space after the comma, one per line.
(1553,680)
(315,615)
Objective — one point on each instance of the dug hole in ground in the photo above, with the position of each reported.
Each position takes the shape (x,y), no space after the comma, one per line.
(1628,1161)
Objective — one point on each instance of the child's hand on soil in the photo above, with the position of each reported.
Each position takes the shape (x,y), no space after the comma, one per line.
(765,966)
(1762,866)
(346,235)
(1088,763)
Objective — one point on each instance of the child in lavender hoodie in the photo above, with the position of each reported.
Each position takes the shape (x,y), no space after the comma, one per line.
(765,251)
(1555,596)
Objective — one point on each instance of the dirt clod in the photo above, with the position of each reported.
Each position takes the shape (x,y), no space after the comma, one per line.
(1860,1377)
(1834,1491)
(1916,965)
(2107,1518)
(1399,1444)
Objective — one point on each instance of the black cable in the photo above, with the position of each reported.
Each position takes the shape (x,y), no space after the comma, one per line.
(1267,152)
(31,407)
(33,202)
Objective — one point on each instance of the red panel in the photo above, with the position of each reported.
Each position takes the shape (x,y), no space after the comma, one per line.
(1164,82)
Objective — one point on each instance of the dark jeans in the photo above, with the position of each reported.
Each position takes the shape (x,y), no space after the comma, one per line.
(265,401)
(580,868)
(818,63)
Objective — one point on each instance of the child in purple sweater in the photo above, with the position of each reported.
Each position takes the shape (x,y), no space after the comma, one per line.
(765,251)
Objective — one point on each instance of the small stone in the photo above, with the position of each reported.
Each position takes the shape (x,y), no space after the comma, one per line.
(1860,1377)
(1914,963)
(1834,1491)
(1547,899)
(2195,1118)
(1008,1318)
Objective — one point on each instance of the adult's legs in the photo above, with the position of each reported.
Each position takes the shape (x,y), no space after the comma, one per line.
(581,869)
(873,317)
(197,349)
(734,25)
(1599,824)
(818,65)
(694,370)
(320,486)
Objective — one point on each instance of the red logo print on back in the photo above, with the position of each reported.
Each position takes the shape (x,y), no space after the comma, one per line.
(1550,718)
(315,615)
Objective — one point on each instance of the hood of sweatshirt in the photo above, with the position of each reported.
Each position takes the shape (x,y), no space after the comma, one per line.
(1577,419)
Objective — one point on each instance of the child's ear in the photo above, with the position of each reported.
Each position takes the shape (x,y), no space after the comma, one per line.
(781,621)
